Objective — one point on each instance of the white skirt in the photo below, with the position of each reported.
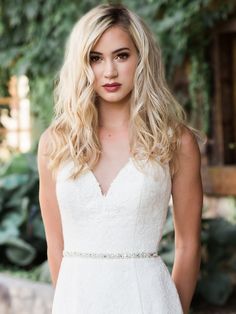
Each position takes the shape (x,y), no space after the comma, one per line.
(88,285)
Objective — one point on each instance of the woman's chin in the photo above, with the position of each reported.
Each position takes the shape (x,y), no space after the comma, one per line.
(114,99)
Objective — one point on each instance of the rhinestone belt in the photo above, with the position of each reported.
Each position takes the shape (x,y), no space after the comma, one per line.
(110,255)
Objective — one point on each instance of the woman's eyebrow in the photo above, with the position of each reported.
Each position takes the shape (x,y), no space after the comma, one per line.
(115,51)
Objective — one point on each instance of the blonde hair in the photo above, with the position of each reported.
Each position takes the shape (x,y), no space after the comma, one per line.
(155,116)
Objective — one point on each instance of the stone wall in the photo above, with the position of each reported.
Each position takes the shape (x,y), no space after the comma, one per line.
(22,296)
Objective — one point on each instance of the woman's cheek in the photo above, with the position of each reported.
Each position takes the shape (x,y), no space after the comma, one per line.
(128,71)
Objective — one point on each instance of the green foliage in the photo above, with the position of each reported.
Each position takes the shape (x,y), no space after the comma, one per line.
(219,260)
(218,240)
(36,273)
(22,237)
(184,29)
(33,35)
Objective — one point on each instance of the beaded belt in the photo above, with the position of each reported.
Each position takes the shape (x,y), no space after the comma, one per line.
(110,255)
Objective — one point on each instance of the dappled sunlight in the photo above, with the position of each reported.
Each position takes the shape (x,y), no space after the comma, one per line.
(15,118)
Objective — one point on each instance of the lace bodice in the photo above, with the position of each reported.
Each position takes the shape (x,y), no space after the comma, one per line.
(129,218)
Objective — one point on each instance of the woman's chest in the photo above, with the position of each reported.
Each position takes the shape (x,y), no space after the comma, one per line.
(131,192)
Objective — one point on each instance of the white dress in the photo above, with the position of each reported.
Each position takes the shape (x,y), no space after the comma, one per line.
(128,219)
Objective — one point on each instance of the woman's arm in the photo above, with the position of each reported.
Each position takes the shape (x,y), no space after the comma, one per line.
(49,210)
(187,204)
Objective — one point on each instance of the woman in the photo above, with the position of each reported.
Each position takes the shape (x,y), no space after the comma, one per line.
(117,149)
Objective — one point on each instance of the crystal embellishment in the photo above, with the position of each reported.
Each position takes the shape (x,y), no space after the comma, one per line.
(110,255)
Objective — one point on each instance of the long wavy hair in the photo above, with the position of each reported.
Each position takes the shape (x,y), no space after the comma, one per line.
(156,118)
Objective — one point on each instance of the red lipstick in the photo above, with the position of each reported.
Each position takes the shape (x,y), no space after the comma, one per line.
(112,87)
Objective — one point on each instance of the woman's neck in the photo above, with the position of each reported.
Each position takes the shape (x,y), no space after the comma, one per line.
(113,116)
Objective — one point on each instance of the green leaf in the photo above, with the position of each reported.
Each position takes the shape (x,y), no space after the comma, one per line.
(168,257)
(13,181)
(38,228)
(222,232)
(216,288)
(17,164)
(19,252)
(7,232)
(168,227)
(43,272)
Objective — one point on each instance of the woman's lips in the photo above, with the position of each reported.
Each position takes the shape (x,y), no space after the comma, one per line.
(112,87)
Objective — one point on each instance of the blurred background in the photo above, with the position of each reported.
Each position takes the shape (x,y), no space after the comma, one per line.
(198,42)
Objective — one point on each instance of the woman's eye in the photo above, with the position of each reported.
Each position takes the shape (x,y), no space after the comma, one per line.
(123,56)
(94,58)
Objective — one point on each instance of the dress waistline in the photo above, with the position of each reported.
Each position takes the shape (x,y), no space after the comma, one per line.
(109,255)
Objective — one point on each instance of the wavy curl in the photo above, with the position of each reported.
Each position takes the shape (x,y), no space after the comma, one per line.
(156,118)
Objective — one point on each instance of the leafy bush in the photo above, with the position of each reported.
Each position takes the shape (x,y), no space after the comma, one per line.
(33,35)
(22,237)
(218,260)
(218,239)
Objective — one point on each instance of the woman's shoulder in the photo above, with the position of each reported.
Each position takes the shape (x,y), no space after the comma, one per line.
(46,154)
(187,153)
(44,142)
(43,151)
(188,141)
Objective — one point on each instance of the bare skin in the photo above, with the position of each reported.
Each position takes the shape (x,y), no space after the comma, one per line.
(110,66)
(187,209)
(113,112)
(49,210)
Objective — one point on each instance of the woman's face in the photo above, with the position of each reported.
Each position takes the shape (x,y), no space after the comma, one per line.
(114,60)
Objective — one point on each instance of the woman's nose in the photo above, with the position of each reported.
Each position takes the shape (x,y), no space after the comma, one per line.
(110,69)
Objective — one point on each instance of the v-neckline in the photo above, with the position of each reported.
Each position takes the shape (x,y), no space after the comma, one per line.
(105,195)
